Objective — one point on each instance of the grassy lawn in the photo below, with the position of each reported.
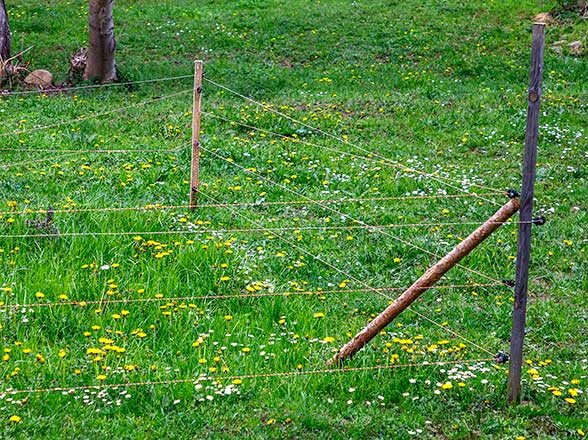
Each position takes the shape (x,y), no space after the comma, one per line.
(166,322)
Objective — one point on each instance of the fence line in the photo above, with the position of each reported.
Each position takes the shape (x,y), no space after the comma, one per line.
(201,378)
(326,207)
(102,150)
(252,230)
(381,161)
(260,227)
(28,162)
(346,274)
(83,303)
(155,207)
(349,276)
(318,130)
(93,86)
(94,115)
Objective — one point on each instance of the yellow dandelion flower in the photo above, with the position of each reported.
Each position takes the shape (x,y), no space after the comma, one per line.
(573,392)
(15,419)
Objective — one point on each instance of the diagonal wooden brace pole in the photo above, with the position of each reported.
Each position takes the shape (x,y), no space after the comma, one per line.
(426,281)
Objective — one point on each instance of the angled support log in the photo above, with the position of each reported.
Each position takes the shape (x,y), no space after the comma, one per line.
(429,278)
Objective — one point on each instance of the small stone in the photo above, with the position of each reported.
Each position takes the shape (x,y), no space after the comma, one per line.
(39,77)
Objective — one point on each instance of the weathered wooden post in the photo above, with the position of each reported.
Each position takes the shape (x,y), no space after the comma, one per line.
(426,281)
(194,174)
(524,240)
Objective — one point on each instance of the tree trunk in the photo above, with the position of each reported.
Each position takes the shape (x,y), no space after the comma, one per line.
(4,33)
(101,65)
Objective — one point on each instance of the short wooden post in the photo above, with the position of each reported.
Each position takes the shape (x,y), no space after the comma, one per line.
(426,281)
(194,175)
(526,215)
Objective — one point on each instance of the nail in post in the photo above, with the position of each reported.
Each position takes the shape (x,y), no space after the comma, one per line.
(526,215)
(194,178)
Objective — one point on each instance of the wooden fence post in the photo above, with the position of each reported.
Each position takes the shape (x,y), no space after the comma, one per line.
(194,174)
(526,213)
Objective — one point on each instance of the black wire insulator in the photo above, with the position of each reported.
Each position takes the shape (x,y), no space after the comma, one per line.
(501,358)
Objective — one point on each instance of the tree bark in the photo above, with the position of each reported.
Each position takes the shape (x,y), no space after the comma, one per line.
(101,46)
(4,33)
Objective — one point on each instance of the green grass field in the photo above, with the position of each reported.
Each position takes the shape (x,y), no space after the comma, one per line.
(166,322)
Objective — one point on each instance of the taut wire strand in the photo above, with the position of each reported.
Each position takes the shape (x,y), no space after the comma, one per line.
(93,86)
(250,230)
(244,376)
(94,115)
(156,207)
(83,303)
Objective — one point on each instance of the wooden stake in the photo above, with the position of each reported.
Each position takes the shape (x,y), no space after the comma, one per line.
(194,178)
(524,242)
(426,281)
